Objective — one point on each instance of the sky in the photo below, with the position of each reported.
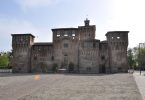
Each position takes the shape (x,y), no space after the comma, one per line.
(40,16)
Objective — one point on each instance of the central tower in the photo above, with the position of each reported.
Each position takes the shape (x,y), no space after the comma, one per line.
(87,32)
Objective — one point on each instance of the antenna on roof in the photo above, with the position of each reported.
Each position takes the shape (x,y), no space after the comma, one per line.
(87,21)
(87,17)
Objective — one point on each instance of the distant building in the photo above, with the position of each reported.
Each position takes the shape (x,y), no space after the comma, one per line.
(77,46)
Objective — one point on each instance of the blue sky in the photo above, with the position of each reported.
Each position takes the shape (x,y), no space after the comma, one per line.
(40,16)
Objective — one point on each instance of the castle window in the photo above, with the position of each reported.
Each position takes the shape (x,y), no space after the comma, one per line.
(52,58)
(65,45)
(65,34)
(35,58)
(103,57)
(118,37)
(39,49)
(73,34)
(58,35)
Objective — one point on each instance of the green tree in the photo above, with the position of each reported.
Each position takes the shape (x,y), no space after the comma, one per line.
(4,59)
(71,67)
(141,57)
(136,57)
(130,58)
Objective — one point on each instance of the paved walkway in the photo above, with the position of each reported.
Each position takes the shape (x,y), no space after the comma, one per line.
(140,81)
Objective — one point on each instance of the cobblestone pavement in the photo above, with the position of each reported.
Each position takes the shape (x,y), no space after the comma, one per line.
(140,81)
(68,87)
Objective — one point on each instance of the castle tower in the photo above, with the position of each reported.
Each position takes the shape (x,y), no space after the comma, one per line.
(87,22)
(117,44)
(21,45)
(88,49)
(87,32)
(65,44)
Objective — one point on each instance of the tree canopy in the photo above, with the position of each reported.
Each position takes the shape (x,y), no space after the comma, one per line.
(136,57)
(4,59)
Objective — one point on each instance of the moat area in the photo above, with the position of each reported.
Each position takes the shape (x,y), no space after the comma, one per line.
(68,87)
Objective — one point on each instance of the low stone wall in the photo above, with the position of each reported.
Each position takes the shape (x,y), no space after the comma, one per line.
(5,70)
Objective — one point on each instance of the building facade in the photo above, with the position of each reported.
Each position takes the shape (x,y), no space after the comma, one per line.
(71,46)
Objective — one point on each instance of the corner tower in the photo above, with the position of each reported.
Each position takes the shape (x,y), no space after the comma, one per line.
(21,45)
(117,44)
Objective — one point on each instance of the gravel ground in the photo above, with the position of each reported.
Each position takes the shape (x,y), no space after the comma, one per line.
(68,87)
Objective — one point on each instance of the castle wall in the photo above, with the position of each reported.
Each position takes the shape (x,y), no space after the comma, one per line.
(104,58)
(89,57)
(42,58)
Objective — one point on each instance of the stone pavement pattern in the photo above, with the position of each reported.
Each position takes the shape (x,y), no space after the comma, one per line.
(69,87)
(140,81)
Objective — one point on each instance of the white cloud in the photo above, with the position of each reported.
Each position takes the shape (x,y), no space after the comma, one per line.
(27,4)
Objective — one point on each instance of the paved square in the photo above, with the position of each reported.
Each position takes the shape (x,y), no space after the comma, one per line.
(69,87)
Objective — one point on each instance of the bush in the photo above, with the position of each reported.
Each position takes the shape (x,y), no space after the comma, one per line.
(4,67)
(44,68)
(62,65)
(71,67)
(54,67)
